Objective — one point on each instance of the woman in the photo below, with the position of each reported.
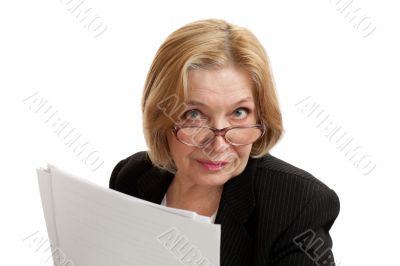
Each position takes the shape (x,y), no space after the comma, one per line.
(211,115)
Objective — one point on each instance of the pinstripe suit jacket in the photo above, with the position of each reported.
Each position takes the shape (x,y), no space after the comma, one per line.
(271,214)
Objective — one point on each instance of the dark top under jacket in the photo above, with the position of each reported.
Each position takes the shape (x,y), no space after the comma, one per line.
(271,214)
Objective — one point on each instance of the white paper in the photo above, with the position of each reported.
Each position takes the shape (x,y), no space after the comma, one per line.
(92,225)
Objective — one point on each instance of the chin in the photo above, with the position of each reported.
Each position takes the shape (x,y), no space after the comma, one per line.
(216,178)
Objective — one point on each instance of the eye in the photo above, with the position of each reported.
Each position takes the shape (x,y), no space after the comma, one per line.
(241,112)
(193,114)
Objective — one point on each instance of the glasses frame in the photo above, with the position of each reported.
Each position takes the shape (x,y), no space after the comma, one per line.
(218,132)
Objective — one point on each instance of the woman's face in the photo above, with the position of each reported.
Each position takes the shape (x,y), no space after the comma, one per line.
(218,98)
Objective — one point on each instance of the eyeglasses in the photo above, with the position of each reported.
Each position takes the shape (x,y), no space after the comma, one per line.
(200,136)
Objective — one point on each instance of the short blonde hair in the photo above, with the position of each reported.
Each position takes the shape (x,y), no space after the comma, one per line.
(205,44)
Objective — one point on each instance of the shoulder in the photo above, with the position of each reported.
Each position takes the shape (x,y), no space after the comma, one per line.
(272,173)
(292,207)
(137,176)
(132,166)
(285,193)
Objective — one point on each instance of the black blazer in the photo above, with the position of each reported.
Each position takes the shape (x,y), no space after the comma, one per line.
(271,214)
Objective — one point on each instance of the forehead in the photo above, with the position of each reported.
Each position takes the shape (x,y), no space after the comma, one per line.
(220,86)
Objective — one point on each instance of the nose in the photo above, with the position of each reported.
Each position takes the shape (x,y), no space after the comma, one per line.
(218,148)
(219,144)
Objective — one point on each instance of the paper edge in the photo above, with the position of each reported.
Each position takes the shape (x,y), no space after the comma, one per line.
(46,195)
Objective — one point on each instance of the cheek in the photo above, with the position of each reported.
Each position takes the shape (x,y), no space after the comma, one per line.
(243,154)
(238,156)
(179,151)
(244,151)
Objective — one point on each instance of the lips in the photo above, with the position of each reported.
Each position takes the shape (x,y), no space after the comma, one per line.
(212,162)
(212,165)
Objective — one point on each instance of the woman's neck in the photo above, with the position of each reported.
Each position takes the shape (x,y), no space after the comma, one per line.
(193,197)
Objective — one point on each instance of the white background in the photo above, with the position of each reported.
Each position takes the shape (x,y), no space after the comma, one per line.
(95,83)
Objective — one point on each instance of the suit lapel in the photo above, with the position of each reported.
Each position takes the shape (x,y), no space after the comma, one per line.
(237,196)
(236,206)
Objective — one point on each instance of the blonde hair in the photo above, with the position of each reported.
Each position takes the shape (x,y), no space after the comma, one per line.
(205,44)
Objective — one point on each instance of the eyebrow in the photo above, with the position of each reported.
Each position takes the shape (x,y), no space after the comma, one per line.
(193,102)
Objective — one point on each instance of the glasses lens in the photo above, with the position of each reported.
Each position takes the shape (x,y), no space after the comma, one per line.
(196,136)
(243,136)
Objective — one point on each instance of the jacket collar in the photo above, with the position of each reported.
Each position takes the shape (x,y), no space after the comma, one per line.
(237,199)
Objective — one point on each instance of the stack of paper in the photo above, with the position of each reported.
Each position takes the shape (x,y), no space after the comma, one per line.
(91,225)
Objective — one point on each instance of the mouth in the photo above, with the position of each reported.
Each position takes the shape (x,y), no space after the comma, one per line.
(212,165)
